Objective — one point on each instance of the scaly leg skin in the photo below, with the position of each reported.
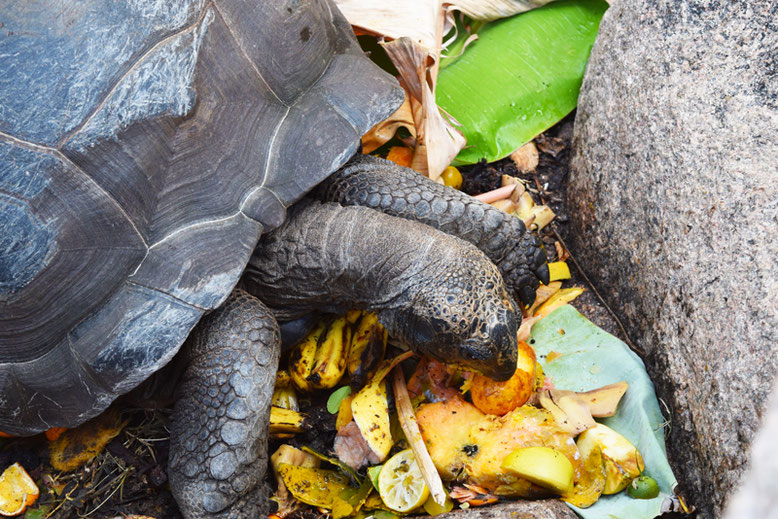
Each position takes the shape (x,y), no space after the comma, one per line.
(436,293)
(384,186)
(219,430)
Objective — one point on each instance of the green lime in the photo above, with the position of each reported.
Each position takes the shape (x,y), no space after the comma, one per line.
(643,487)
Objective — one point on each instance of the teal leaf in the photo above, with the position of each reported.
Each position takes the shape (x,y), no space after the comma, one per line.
(591,358)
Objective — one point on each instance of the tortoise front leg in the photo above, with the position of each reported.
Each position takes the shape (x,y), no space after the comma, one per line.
(218,436)
(384,186)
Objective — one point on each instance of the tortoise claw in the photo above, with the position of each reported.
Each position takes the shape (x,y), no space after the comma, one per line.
(543,274)
(527,295)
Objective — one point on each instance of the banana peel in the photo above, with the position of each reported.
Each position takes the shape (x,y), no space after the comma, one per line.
(288,455)
(544,293)
(302,358)
(285,397)
(569,412)
(368,346)
(370,409)
(558,270)
(575,411)
(319,360)
(317,487)
(287,421)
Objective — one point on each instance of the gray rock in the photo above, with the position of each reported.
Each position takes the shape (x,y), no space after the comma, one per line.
(758,492)
(674,189)
(544,509)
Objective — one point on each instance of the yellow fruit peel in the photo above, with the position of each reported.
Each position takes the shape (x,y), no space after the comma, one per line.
(17,491)
(344,413)
(558,270)
(588,488)
(445,428)
(286,454)
(494,438)
(542,466)
(75,447)
(544,293)
(621,459)
(315,486)
(561,298)
(370,409)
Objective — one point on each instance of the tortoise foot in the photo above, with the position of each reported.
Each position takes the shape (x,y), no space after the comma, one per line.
(218,445)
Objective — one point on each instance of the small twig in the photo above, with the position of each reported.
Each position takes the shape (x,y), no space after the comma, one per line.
(120,485)
(413,435)
(501,193)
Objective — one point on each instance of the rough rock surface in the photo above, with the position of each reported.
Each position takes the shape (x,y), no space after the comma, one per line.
(544,509)
(758,493)
(674,192)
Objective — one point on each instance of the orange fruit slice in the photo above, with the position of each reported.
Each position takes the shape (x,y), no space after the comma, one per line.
(17,491)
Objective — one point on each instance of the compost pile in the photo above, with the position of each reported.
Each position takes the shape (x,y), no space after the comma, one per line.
(416,436)
(362,428)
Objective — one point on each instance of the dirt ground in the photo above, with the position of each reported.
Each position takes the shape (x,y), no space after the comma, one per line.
(129,476)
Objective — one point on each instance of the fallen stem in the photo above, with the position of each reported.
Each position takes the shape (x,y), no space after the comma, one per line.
(501,193)
(412,433)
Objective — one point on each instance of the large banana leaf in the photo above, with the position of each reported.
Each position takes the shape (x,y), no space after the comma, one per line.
(520,77)
(592,358)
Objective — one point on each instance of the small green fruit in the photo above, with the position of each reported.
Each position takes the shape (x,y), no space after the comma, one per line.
(643,487)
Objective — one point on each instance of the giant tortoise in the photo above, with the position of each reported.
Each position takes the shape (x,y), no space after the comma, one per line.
(144,148)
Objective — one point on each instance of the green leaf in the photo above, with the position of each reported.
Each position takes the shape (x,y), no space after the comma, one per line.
(520,77)
(591,358)
(38,513)
(373,473)
(337,396)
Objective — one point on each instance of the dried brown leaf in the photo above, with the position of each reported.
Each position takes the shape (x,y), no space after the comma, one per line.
(526,158)
(385,130)
(437,140)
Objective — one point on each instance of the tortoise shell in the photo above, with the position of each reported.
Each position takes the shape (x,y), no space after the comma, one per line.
(144,147)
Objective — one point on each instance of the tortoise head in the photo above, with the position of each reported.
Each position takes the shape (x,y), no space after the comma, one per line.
(464,318)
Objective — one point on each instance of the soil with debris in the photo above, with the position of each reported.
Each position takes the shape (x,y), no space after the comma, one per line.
(548,185)
(129,477)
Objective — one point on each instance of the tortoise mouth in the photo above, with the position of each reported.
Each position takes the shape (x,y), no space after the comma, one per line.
(497,363)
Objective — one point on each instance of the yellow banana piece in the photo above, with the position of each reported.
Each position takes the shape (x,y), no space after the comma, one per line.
(301,361)
(286,421)
(285,397)
(283,379)
(331,355)
(367,349)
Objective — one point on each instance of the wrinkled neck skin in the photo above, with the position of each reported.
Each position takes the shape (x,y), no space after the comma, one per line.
(433,292)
